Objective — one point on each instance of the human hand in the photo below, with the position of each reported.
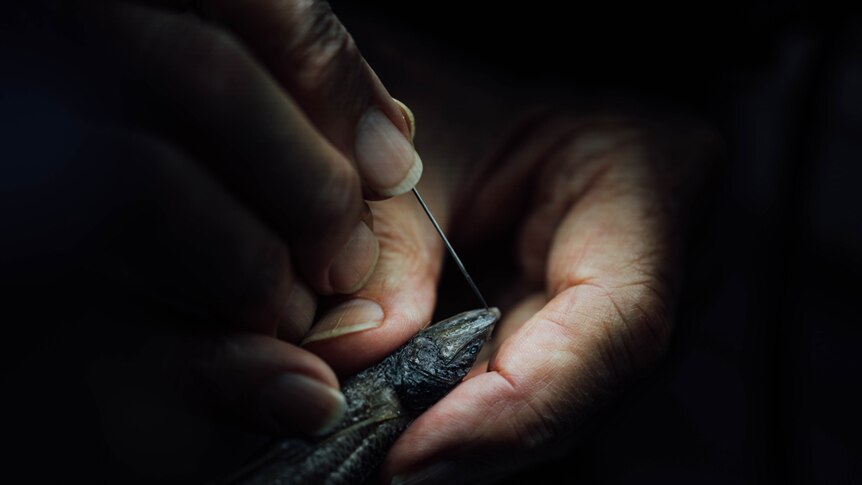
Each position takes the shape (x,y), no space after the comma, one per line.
(275,101)
(595,205)
(598,205)
(593,209)
(208,171)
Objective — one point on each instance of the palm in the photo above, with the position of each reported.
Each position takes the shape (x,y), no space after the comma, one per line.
(595,252)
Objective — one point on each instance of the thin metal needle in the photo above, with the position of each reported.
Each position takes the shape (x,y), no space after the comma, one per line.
(449,248)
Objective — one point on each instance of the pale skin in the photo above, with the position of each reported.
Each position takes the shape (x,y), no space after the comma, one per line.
(596,252)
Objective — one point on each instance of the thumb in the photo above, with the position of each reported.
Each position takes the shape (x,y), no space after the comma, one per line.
(397,301)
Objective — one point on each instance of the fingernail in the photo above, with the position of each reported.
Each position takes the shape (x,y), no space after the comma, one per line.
(387,160)
(294,401)
(436,473)
(355,263)
(349,317)
(408,117)
(298,313)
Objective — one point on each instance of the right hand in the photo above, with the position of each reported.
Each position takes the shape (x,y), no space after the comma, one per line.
(215,161)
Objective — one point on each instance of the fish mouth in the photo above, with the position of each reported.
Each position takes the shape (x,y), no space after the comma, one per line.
(467,325)
(451,347)
(466,328)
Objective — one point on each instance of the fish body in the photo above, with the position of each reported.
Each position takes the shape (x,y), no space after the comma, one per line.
(381,402)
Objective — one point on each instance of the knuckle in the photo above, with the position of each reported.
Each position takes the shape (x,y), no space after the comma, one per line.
(630,327)
(214,62)
(149,162)
(266,279)
(337,197)
(644,328)
(538,419)
(321,48)
(213,367)
(405,241)
(542,428)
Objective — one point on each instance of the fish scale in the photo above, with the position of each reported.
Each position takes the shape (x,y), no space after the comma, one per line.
(382,401)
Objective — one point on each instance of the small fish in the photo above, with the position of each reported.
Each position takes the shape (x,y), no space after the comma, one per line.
(381,402)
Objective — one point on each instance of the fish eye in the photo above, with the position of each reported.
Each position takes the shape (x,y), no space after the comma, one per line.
(473,349)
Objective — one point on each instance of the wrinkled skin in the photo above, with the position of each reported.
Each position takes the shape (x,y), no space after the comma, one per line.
(587,206)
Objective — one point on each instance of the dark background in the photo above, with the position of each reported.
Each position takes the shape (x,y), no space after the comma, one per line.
(761,382)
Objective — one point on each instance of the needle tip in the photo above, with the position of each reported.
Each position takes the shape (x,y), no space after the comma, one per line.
(450,249)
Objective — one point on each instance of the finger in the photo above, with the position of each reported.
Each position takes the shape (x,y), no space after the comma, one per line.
(606,317)
(611,224)
(275,386)
(256,139)
(298,313)
(311,54)
(396,302)
(216,399)
(512,320)
(429,451)
(523,410)
(542,383)
(161,227)
(601,223)
(494,196)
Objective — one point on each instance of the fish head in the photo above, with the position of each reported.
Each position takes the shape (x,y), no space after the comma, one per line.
(436,359)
